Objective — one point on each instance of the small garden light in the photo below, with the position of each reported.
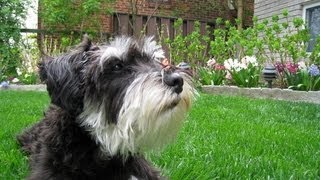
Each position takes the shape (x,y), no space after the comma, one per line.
(269,73)
(4,85)
(184,65)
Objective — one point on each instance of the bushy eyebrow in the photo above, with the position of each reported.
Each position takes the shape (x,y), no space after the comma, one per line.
(124,48)
(152,49)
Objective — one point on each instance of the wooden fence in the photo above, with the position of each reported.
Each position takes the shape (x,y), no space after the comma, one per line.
(156,26)
(124,24)
(159,27)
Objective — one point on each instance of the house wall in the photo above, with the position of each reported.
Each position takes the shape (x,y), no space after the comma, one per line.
(265,9)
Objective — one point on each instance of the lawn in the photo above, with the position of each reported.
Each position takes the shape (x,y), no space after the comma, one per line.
(223,138)
(18,110)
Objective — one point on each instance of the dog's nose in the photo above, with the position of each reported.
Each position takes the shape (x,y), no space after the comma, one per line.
(173,80)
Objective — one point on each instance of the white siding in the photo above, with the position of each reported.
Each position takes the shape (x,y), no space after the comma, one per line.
(265,9)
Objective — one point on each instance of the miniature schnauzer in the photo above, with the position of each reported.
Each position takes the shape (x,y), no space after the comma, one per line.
(109,104)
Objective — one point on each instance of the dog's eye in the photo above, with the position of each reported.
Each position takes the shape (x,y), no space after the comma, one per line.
(117,67)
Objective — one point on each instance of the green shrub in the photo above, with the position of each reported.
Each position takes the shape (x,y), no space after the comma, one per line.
(12,12)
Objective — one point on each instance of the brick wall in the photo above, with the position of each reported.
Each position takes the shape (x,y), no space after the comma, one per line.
(201,10)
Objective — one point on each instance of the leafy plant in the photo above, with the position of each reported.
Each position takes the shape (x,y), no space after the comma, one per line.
(218,47)
(191,48)
(61,14)
(283,41)
(177,45)
(12,12)
(196,46)
(29,78)
(66,21)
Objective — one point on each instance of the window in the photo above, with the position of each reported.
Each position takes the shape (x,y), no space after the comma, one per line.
(312,17)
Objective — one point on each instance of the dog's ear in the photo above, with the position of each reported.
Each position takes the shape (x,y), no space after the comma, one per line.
(85,44)
(63,76)
(41,67)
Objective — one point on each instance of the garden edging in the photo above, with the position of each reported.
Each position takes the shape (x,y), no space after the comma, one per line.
(37,87)
(266,93)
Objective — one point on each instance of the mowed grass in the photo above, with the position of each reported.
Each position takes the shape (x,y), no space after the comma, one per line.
(18,110)
(242,138)
(223,138)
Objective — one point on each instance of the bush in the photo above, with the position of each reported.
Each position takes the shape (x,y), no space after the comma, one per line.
(191,48)
(12,12)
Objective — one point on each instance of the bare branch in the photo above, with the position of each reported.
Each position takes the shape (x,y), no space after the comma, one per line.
(150,16)
(118,18)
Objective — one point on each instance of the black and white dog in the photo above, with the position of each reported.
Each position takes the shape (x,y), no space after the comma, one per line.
(109,104)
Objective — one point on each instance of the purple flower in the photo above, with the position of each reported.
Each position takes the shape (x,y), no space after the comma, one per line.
(314,70)
(279,66)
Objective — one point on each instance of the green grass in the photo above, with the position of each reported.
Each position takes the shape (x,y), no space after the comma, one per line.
(223,138)
(235,137)
(18,110)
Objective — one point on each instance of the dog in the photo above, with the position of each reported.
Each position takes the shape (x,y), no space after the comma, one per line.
(109,104)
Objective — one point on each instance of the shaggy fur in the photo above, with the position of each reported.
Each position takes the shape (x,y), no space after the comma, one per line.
(109,104)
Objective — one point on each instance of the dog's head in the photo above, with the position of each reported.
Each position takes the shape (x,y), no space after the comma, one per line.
(121,93)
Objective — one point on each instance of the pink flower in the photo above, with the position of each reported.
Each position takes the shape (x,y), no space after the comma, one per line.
(211,62)
(292,67)
(219,67)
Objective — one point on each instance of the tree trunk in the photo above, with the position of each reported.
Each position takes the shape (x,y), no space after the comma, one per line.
(240,13)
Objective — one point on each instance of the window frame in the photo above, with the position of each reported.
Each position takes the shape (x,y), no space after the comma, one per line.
(304,13)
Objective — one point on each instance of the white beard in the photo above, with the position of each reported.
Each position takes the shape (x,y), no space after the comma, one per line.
(149,118)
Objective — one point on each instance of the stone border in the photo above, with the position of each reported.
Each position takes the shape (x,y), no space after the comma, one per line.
(38,87)
(262,93)
(266,93)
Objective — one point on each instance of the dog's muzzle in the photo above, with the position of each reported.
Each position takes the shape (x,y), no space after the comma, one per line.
(172,79)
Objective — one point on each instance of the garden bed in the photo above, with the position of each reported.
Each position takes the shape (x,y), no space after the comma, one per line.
(274,93)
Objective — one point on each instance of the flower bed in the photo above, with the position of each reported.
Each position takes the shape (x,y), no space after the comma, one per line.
(238,56)
(247,73)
